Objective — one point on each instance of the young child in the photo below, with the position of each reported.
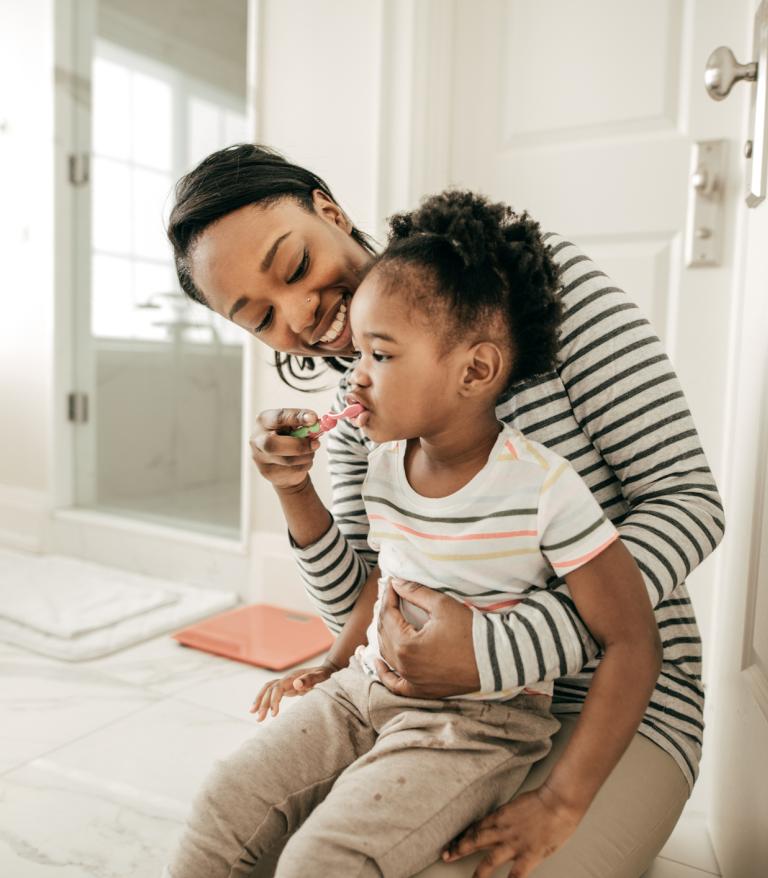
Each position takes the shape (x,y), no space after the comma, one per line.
(461,305)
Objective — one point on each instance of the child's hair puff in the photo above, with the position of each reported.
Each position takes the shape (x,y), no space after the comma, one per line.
(482,262)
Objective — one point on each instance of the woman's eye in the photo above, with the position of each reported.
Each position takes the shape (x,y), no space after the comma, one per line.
(265,322)
(302,268)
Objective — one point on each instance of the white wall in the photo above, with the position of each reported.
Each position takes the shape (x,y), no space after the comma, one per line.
(26,238)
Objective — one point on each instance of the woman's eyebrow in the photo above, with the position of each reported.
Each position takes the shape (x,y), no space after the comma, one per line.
(268,259)
(243,300)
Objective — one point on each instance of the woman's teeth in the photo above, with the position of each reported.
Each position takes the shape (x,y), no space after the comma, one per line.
(337,326)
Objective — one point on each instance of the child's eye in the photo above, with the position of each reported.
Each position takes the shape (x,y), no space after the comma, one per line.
(380,358)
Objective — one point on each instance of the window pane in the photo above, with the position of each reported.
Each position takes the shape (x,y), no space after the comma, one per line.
(226,331)
(234,128)
(152,284)
(112,310)
(111,204)
(205,130)
(152,122)
(111,119)
(150,193)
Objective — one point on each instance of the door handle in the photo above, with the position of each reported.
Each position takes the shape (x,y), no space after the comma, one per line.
(721,73)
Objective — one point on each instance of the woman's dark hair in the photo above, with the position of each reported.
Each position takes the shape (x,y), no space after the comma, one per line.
(481,261)
(226,181)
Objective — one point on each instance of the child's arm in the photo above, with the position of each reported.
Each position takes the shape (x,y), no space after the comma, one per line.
(350,637)
(611,598)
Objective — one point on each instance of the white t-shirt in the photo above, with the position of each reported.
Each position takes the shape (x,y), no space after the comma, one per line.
(523,520)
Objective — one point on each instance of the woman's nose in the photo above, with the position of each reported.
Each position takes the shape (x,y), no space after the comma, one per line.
(301,311)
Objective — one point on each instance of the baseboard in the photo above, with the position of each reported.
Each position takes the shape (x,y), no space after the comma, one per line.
(164,553)
(24,517)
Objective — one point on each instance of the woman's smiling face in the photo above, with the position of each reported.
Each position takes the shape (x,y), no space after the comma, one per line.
(283,273)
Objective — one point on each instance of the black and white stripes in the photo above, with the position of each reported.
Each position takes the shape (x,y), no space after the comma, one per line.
(615,410)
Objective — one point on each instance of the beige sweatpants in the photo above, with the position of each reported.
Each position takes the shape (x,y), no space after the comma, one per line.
(360,782)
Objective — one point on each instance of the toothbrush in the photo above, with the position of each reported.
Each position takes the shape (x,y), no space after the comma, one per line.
(328,421)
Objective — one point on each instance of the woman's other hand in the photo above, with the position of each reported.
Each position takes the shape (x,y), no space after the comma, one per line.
(524,832)
(433,661)
(283,459)
(298,683)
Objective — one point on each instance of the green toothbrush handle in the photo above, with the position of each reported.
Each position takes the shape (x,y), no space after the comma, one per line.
(303,432)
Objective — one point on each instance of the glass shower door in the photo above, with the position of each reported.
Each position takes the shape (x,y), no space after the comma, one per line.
(163,436)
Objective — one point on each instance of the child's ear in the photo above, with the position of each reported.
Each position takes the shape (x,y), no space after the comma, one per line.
(483,369)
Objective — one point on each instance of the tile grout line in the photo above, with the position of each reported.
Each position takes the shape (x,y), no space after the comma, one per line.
(689,866)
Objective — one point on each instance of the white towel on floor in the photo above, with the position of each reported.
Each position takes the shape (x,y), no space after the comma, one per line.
(73,610)
(67,597)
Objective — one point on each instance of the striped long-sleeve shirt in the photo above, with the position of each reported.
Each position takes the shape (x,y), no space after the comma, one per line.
(614,408)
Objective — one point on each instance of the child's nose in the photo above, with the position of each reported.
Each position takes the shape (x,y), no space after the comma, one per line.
(359,377)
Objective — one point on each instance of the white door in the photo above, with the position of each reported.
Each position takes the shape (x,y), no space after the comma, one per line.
(738,733)
(586,114)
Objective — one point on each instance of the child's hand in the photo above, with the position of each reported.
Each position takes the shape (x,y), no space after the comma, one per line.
(298,683)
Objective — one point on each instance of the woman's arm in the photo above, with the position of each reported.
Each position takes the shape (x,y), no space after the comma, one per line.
(335,566)
(627,399)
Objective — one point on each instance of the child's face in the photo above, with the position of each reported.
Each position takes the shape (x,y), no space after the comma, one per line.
(406,381)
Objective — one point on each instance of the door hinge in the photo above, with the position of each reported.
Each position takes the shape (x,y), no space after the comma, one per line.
(77,408)
(79,169)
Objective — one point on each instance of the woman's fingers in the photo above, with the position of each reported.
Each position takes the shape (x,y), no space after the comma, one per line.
(275,446)
(285,420)
(394,682)
(494,858)
(474,838)
(283,459)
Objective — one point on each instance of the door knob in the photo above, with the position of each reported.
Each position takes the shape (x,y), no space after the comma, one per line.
(723,71)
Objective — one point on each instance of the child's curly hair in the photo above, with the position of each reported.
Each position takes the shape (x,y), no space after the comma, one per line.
(483,263)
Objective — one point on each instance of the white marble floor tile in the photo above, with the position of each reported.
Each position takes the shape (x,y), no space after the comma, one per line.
(55,825)
(112,803)
(163,752)
(165,666)
(46,703)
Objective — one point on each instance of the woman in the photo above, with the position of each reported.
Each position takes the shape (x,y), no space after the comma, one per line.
(264,243)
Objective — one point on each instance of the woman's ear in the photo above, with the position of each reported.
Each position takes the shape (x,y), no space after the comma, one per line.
(484,369)
(327,209)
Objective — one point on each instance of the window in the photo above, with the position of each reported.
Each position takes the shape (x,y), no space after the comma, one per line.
(150,124)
